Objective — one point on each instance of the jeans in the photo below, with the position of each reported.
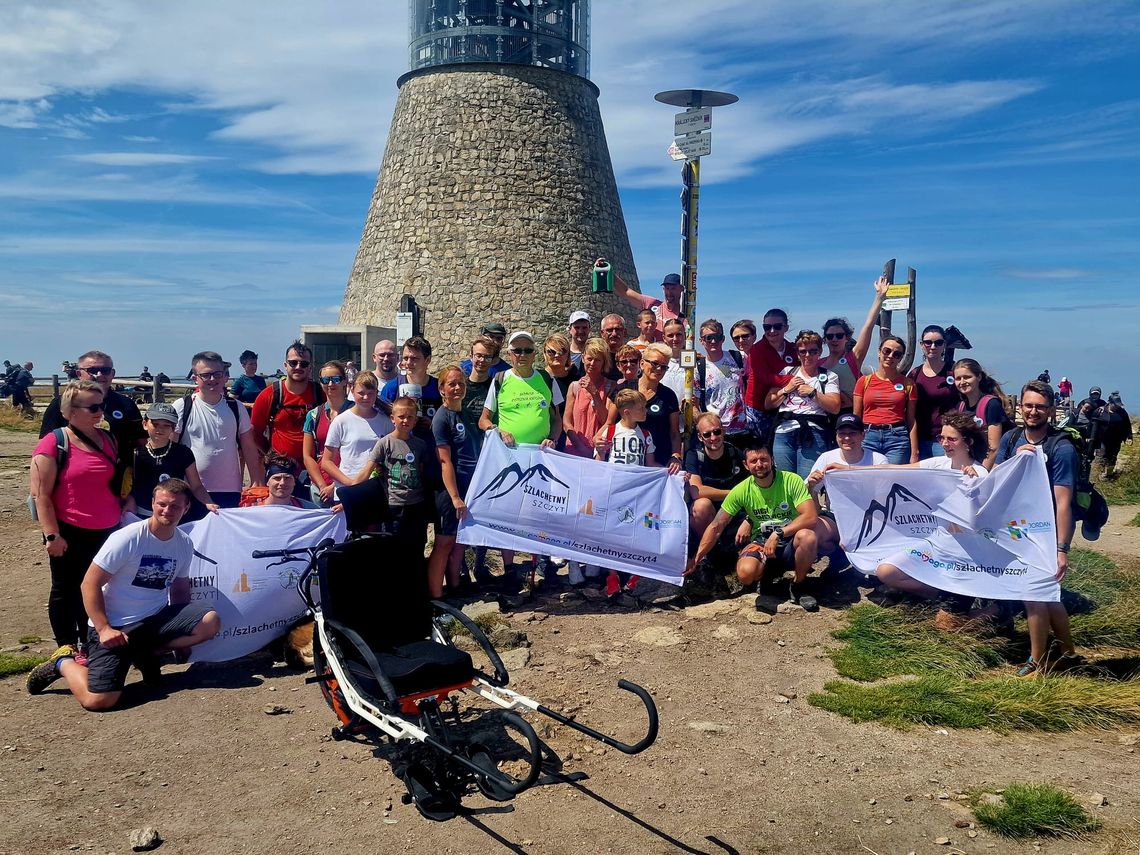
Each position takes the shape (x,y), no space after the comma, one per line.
(795,454)
(928,448)
(892,443)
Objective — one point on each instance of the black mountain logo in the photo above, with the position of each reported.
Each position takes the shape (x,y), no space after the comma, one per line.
(898,491)
(521,479)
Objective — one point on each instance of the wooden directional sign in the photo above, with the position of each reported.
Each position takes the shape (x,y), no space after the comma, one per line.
(692,121)
(695,146)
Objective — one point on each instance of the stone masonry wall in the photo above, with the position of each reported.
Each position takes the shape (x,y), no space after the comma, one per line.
(495,196)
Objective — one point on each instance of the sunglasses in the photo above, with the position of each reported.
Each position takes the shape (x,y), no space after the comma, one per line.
(210,375)
(808,351)
(712,338)
(934,342)
(773,327)
(336,379)
(551,353)
(660,366)
(93,408)
(744,336)
(522,351)
(886,351)
(836,336)
(628,361)
(709,434)
(298,363)
(99,369)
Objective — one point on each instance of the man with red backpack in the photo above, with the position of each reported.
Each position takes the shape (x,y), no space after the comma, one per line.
(279,412)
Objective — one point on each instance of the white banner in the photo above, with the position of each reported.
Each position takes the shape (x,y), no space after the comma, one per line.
(255,602)
(630,518)
(991,538)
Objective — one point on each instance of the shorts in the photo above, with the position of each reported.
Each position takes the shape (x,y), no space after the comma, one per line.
(785,557)
(447,523)
(107,667)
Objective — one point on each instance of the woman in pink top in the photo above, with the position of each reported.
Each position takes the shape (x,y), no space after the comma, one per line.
(586,400)
(76,505)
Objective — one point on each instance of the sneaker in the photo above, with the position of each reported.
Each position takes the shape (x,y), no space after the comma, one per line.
(1028,668)
(46,673)
(631,584)
(613,585)
(526,588)
(81,655)
(797,593)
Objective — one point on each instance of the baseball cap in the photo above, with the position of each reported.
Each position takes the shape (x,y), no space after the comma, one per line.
(849,420)
(160,411)
(1095,390)
(495,328)
(578,316)
(671,279)
(517,334)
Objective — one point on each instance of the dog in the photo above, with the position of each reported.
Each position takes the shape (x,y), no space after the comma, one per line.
(297,648)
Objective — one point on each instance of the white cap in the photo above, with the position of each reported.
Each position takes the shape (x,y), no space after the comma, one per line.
(519,334)
(579,316)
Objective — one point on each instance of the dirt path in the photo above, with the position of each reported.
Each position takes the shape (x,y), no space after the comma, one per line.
(735,768)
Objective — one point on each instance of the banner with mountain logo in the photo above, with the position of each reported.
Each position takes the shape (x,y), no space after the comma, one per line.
(992,537)
(541,501)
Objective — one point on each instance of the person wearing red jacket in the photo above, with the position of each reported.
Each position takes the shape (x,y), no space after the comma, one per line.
(766,359)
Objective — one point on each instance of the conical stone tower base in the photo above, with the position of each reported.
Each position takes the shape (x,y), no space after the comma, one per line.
(495,196)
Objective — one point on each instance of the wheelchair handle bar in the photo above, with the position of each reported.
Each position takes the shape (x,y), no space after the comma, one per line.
(301,550)
(624,747)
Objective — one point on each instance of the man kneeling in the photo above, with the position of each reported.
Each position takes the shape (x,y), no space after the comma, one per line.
(781,519)
(130,618)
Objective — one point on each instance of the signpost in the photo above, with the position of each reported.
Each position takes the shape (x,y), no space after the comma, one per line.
(693,140)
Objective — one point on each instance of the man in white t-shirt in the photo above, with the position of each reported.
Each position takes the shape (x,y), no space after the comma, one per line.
(219,433)
(849,432)
(137,597)
(723,383)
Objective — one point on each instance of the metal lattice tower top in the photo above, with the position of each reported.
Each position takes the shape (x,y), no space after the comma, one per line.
(547,33)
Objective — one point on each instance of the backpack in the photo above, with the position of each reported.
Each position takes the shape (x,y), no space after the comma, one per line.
(1089,506)
(120,481)
(1007,424)
(188,405)
(277,403)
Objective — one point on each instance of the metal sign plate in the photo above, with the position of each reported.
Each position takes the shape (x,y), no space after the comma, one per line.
(692,121)
(697,146)
(896,304)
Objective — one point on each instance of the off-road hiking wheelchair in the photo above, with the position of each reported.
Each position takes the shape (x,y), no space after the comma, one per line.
(385,664)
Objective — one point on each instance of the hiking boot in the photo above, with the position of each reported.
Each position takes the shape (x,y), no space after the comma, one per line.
(1028,668)
(46,673)
(797,593)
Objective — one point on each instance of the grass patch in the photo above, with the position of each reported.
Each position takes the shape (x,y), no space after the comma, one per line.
(1106,610)
(11,419)
(1124,489)
(1135,521)
(1033,810)
(18,663)
(1001,704)
(30,639)
(888,642)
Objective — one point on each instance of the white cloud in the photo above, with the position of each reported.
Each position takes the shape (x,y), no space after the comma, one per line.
(138,158)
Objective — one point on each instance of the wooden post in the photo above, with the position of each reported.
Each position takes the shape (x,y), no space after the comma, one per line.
(911,323)
(158,396)
(885,314)
(55,385)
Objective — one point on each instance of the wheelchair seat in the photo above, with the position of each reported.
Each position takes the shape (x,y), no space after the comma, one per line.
(421,666)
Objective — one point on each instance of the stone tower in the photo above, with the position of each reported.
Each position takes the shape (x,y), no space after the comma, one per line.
(496,192)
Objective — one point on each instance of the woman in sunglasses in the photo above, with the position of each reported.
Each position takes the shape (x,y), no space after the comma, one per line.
(805,399)
(845,354)
(885,400)
(588,398)
(936,391)
(766,359)
(662,410)
(334,382)
(76,504)
(628,362)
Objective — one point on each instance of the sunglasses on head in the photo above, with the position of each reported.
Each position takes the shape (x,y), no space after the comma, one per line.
(933,342)
(298,363)
(336,379)
(709,434)
(836,336)
(522,351)
(99,369)
(773,327)
(92,408)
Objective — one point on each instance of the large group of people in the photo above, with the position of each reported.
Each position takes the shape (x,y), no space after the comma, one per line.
(763,422)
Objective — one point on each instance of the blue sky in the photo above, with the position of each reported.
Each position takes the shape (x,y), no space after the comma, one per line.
(176,177)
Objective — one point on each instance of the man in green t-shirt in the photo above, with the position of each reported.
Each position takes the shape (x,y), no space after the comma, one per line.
(781,517)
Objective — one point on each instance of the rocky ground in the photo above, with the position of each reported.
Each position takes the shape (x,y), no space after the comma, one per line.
(742,764)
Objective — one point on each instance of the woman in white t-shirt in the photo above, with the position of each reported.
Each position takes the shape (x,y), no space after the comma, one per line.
(806,396)
(353,433)
(965,443)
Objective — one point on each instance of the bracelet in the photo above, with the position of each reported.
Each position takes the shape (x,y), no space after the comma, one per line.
(1063,547)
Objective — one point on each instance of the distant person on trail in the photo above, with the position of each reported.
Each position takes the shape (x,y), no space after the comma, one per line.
(19,383)
(137,593)
(120,416)
(249,384)
(1112,428)
(387,361)
(1044,376)
(145,376)
(1065,389)
(1087,410)
(217,429)
(278,415)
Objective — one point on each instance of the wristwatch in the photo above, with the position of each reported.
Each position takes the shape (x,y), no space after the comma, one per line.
(48,538)
(779,532)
